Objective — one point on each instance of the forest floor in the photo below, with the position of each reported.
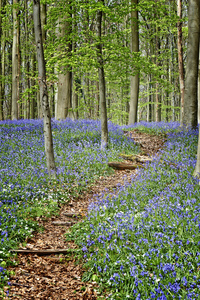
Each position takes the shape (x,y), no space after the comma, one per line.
(58,276)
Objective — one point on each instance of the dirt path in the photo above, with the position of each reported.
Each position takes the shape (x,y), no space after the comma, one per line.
(56,276)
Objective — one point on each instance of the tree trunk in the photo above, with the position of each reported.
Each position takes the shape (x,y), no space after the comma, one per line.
(197,167)
(158,96)
(190,99)
(43,17)
(64,91)
(43,91)
(97,100)
(15,65)
(102,84)
(180,56)
(43,11)
(199,88)
(1,85)
(26,64)
(75,92)
(134,87)
(32,83)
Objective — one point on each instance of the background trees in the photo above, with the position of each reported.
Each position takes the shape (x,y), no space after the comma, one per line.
(69,31)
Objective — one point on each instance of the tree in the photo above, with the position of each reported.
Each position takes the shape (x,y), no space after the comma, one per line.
(180,55)
(43,91)
(190,99)
(197,15)
(102,84)
(1,58)
(134,78)
(64,91)
(15,62)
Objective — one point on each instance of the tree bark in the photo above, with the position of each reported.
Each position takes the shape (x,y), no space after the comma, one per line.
(15,58)
(158,96)
(180,56)
(43,11)
(197,167)
(43,91)
(43,17)
(134,87)
(199,87)
(102,84)
(1,85)
(190,99)
(64,92)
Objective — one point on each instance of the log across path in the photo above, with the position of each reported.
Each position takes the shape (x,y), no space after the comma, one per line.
(46,266)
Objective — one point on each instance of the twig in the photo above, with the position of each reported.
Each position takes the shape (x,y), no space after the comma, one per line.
(41,252)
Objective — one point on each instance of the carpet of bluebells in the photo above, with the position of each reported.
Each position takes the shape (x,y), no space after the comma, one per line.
(143,242)
(25,191)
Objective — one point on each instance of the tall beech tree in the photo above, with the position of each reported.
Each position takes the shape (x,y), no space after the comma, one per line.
(64,86)
(180,56)
(15,61)
(134,87)
(1,56)
(43,91)
(102,83)
(191,79)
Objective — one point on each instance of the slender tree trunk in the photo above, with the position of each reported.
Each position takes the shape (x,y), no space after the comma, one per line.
(75,86)
(75,98)
(43,91)
(2,62)
(102,84)
(158,97)
(32,83)
(171,79)
(1,90)
(64,93)
(150,100)
(199,88)
(180,56)
(15,65)
(190,99)
(43,14)
(134,87)
(26,63)
(43,11)
(197,167)
(97,100)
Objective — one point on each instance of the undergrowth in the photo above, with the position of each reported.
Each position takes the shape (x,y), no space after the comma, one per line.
(25,191)
(143,241)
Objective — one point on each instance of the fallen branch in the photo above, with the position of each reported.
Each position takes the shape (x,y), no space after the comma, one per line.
(137,158)
(142,159)
(123,166)
(41,252)
(127,156)
(63,223)
(68,214)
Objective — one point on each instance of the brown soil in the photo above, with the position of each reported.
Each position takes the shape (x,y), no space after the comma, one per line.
(58,276)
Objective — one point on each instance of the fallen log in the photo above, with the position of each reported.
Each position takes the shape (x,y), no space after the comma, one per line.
(142,159)
(41,252)
(127,156)
(123,166)
(136,157)
(63,223)
(68,214)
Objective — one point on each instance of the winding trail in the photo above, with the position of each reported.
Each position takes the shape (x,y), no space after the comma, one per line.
(57,276)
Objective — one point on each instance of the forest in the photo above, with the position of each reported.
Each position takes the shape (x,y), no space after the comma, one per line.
(99,149)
